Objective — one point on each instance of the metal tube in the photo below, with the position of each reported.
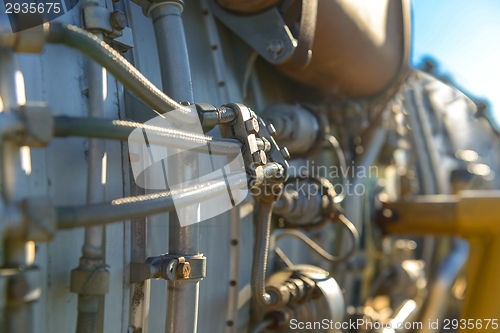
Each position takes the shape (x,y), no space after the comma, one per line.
(119,67)
(182,298)
(143,205)
(446,276)
(17,314)
(120,130)
(92,251)
(354,203)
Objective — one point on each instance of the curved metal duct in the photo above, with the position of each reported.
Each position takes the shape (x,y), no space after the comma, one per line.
(361,47)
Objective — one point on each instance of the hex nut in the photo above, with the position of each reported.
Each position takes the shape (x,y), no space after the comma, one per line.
(252,126)
(118,20)
(259,157)
(183,270)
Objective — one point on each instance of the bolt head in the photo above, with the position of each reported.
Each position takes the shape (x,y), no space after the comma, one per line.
(118,20)
(259,157)
(183,270)
(271,129)
(275,47)
(285,153)
(252,126)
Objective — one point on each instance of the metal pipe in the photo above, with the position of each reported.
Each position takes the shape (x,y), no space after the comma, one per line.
(318,249)
(354,203)
(144,205)
(120,68)
(436,306)
(92,249)
(18,313)
(121,130)
(182,298)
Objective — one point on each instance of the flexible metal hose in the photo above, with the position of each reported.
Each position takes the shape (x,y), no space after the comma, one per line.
(119,67)
(144,205)
(120,130)
(319,250)
(259,264)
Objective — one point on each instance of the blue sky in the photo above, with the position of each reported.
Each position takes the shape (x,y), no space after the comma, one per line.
(464,37)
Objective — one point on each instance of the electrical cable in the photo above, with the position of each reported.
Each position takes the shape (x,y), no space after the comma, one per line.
(156,135)
(315,247)
(144,205)
(131,78)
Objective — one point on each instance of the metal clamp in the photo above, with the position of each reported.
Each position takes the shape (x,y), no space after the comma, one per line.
(21,285)
(90,282)
(169,267)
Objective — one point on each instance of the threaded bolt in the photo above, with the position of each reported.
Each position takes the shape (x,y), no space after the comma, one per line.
(252,126)
(183,270)
(259,157)
(118,20)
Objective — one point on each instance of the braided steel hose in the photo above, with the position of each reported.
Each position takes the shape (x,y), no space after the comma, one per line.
(121,129)
(119,67)
(144,205)
(259,264)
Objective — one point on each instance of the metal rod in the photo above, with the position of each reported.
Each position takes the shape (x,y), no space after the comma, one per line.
(114,129)
(144,205)
(120,68)
(92,249)
(17,316)
(182,297)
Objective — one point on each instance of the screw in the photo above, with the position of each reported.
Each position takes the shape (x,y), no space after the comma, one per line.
(183,270)
(285,153)
(271,129)
(118,20)
(259,157)
(276,46)
(252,126)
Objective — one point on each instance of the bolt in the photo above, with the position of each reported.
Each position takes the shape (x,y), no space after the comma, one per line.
(183,270)
(252,126)
(18,288)
(285,153)
(118,20)
(276,46)
(271,129)
(259,157)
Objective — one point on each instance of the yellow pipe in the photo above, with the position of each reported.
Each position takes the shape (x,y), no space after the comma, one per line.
(474,216)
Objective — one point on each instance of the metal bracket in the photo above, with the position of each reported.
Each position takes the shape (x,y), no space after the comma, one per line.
(266,32)
(21,285)
(169,267)
(244,128)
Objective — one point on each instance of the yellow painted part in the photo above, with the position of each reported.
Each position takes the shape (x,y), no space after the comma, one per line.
(478,217)
(475,216)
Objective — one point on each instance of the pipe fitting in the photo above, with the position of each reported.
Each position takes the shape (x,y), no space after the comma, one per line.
(26,41)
